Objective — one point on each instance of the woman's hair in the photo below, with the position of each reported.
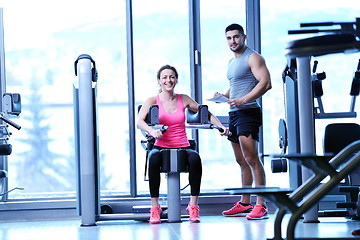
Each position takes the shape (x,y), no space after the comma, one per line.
(167,67)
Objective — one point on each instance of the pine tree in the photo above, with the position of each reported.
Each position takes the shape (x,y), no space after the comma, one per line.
(42,170)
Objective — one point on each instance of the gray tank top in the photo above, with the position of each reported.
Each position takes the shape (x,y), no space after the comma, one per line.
(242,81)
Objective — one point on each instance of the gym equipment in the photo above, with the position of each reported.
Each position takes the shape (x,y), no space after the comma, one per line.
(87,153)
(86,143)
(173,163)
(303,198)
(348,133)
(11,103)
(344,40)
(317,79)
(174,160)
(301,136)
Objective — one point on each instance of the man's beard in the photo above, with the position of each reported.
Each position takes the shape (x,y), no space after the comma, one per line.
(238,48)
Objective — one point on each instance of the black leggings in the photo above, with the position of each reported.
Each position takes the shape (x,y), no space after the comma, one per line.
(195,171)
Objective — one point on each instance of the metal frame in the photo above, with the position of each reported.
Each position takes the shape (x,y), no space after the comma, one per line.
(253,33)
(3,159)
(131,97)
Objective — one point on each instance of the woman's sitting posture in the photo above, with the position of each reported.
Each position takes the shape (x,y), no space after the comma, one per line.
(172,114)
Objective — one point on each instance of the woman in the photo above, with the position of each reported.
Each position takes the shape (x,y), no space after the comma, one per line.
(172,114)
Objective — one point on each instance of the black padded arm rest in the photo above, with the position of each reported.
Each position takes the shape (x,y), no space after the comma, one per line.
(199,117)
(152,118)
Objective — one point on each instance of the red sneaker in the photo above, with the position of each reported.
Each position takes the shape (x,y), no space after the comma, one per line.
(193,211)
(259,212)
(155,215)
(238,210)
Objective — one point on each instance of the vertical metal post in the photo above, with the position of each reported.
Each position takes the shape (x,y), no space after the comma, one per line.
(131,97)
(173,185)
(195,50)
(2,59)
(253,27)
(3,159)
(306,122)
(292,123)
(253,34)
(86,142)
(195,56)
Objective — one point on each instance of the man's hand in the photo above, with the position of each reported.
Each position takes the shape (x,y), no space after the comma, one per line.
(225,132)
(237,102)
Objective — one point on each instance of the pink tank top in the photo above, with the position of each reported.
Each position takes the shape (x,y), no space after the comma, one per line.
(175,136)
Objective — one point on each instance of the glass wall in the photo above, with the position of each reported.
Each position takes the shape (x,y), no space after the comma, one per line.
(42,41)
(220,169)
(276,19)
(44,38)
(161,36)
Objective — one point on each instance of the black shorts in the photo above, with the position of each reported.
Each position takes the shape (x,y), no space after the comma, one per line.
(245,122)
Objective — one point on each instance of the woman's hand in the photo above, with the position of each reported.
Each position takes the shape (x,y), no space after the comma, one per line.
(156,133)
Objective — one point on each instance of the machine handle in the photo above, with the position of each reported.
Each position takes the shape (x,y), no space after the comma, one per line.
(317,24)
(151,138)
(18,127)
(212,126)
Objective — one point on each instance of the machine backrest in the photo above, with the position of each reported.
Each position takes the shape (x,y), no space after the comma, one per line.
(339,135)
(199,117)
(152,118)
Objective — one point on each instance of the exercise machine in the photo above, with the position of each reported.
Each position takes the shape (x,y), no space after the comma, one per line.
(87,152)
(302,197)
(11,107)
(307,85)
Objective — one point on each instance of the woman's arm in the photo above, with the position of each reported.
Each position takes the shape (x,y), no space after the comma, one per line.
(194,106)
(141,123)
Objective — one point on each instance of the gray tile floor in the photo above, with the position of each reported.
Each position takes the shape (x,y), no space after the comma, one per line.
(211,227)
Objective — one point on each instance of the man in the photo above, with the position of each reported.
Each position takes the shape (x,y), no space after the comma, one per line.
(249,80)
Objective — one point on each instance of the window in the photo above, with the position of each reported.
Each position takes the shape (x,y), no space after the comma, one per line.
(42,44)
(220,169)
(41,47)
(161,36)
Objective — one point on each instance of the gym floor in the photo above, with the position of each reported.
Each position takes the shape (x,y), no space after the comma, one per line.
(210,227)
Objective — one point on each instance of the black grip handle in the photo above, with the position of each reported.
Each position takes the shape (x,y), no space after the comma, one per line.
(315,66)
(151,138)
(212,126)
(18,127)
(303,31)
(315,24)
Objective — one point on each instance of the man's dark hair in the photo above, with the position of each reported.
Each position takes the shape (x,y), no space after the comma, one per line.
(233,27)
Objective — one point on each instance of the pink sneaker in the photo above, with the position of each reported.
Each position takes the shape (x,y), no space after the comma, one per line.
(193,211)
(238,210)
(259,212)
(355,232)
(155,215)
